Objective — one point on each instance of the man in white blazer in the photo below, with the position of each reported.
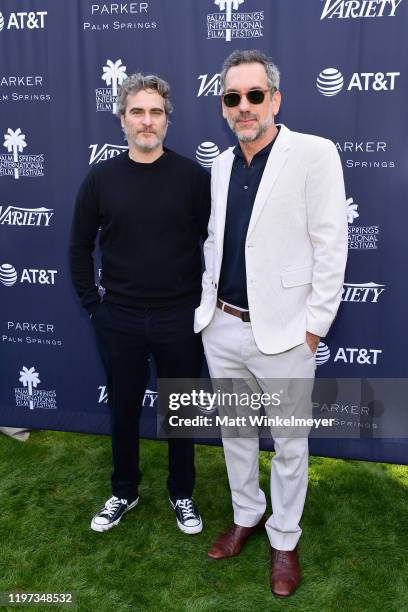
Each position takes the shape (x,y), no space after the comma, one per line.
(274,268)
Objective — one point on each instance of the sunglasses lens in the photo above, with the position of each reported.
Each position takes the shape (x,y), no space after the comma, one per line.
(256,96)
(231,99)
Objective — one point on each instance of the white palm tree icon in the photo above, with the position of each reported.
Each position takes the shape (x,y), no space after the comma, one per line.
(29,378)
(114,74)
(14,142)
(351,210)
(228,5)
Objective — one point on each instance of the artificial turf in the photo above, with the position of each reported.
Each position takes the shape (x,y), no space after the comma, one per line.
(353,548)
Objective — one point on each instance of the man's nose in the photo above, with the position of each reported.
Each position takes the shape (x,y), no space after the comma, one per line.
(147,119)
(244,105)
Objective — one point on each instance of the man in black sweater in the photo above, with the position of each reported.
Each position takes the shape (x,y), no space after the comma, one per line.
(152,207)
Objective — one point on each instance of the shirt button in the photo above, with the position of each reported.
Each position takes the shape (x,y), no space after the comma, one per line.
(245,186)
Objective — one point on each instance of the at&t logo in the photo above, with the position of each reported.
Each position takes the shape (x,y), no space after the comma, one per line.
(113,73)
(33,276)
(349,355)
(206,153)
(228,23)
(331,81)
(23,20)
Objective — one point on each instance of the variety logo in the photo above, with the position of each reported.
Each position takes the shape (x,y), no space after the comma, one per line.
(149,400)
(209,86)
(18,332)
(353,9)
(367,148)
(19,165)
(23,20)
(230,24)
(114,73)
(359,237)
(135,11)
(359,356)
(330,81)
(106,151)
(28,395)
(362,292)
(206,153)
(21,88)
(16,215)
(33,276)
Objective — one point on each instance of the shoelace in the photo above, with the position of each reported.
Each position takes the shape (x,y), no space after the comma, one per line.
(186,507)
(112,505)
(280,556)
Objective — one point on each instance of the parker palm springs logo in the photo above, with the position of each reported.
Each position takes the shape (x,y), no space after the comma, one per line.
(18,165)
(228,24)
(360,237)
(28,395)
(114,73)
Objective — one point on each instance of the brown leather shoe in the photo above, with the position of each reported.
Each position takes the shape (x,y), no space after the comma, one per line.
(230,543)
(285,572)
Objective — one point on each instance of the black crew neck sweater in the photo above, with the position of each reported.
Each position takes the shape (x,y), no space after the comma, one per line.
(151,219)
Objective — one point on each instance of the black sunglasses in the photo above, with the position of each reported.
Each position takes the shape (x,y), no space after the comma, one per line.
(254,96)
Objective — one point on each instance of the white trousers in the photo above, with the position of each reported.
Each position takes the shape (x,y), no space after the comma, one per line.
(231,352)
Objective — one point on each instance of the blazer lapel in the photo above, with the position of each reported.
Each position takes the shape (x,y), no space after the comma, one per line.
(276,160)
(221,196)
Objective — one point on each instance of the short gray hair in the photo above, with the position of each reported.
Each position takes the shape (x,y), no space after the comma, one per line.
(251,56)
(139,82)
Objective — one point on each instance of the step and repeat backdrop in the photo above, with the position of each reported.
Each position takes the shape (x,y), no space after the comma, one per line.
(344,66)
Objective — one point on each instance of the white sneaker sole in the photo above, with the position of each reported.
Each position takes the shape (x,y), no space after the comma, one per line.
(190,530)
(184,528)
(101,528)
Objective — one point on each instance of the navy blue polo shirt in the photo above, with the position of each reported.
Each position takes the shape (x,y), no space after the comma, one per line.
(243,187)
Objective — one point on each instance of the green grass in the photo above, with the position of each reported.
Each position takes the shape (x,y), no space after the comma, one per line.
(353,548)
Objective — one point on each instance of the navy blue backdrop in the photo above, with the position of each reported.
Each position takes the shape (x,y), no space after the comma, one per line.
(344,77)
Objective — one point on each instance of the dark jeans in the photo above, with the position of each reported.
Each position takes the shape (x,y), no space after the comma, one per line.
(126,337)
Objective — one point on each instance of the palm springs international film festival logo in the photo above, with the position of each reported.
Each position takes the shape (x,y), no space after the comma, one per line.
(231,23)
(113,73)
(14,164)
(360,237)
(206,153)
(330,81)
(344,9)
(28,395)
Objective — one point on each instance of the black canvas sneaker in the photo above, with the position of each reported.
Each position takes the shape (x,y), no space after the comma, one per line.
(187,515)
(111,513)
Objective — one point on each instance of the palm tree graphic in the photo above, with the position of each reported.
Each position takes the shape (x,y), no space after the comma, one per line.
(228,5)
(14,142)
(114,74)
(29,378)
(351,210)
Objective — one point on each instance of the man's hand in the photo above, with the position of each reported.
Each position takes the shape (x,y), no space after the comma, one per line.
(313,341)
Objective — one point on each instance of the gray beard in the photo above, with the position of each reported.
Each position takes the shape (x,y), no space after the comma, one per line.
(263,127)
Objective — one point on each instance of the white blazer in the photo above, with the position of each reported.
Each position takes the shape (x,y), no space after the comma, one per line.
(296,245)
